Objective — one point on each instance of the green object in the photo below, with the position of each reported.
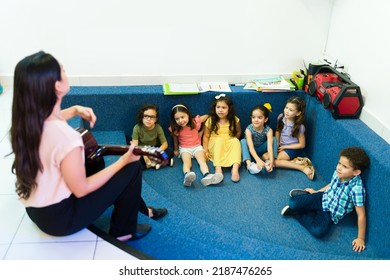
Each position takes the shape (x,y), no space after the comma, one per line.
(298,79)
(1,89)
(179,89)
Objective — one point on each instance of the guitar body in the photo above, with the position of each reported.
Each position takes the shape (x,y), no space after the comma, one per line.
(94,160)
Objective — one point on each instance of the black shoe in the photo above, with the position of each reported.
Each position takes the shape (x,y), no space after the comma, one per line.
(286,211)
(158,213)
(142,231)
(296,192)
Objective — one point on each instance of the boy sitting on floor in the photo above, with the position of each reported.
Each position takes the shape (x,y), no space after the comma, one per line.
(318,210)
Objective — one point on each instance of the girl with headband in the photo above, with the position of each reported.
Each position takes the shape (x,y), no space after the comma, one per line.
(185,130)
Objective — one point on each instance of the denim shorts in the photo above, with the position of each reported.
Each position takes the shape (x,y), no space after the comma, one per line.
(293,153)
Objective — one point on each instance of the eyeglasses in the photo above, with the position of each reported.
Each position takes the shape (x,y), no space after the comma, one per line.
(147,117)
(220,95)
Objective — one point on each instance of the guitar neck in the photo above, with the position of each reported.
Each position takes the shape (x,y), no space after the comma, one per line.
(93,150)
(114,150)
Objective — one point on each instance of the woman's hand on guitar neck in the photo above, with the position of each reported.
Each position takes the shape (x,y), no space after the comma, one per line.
(129,156)
(148,151)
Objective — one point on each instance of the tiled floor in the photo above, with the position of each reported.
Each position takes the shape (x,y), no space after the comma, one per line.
(20,239)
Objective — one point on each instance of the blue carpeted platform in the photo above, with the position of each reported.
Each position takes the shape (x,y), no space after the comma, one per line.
(242,220)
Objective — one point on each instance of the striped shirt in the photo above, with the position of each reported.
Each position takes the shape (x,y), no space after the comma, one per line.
(341,197)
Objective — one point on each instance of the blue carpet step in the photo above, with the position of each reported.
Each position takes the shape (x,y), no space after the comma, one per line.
(231,221)
(182,235)
(244,218)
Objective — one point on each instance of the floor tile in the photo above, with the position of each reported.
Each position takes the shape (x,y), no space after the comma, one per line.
(51,251)
(5,146)
(29,232)
(11,213)
(7,185)
(3,250)
(106,251)
(5,123)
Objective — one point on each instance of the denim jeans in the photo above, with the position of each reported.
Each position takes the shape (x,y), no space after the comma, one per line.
(260,150)
(309,213)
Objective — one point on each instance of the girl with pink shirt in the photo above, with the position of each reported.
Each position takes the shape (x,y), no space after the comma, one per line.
(186,135)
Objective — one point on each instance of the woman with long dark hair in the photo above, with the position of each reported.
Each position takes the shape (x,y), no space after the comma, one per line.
(49,160)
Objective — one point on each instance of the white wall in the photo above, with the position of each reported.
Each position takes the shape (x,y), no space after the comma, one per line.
(359,37)
(165,37)
(154,41)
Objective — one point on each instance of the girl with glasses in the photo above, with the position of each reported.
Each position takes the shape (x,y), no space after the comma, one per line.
(148,132)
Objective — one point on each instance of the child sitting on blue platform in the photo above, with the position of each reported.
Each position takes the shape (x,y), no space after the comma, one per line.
(318,210)
(259,142)
(186,134)
(290,133)
(221,134)
(148,132)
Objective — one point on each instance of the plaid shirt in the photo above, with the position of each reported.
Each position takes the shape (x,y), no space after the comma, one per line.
(341,197)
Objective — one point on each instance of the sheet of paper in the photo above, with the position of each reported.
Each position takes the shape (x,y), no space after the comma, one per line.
(193,87)
(214,86)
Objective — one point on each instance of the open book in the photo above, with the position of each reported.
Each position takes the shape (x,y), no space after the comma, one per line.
(214,86)
(194,88)
(270,84)
(178,89)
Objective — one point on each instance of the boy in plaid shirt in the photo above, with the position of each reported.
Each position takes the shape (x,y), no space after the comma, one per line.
(318,210)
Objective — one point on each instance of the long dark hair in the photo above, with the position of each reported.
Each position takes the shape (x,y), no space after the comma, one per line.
(231,115)
(301,107)
(181,107)
(34,98)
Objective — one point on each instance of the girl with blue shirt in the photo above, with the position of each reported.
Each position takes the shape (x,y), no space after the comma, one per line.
(290,135)
(259,142)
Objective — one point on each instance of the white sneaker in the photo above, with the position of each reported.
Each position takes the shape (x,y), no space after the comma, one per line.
(253,169)
(212,179)
(189,178)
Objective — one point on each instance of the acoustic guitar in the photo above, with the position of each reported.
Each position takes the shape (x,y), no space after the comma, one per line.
(94,152)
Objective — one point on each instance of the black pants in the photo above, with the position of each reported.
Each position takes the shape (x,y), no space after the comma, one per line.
(70,215)
(98,164)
